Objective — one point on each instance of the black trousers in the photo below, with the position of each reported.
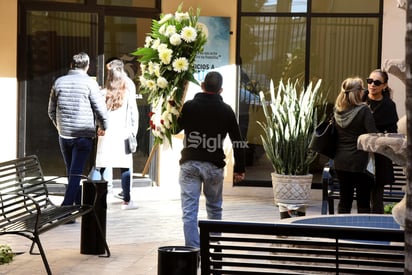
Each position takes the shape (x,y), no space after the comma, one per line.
(348,183)
(383,175)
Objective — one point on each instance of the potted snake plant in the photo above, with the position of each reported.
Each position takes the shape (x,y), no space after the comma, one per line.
(292,113)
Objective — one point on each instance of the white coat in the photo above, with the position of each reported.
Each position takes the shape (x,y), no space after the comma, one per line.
(111,148)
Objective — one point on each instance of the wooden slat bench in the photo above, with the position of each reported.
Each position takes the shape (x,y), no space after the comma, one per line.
(393,192)
(267,248)
(26,208)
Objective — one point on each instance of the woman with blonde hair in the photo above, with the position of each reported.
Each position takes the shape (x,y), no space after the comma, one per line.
(112,148)
(353,118)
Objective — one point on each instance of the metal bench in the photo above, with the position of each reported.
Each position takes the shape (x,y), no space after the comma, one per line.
(26,208)
(393,192)
(267,248)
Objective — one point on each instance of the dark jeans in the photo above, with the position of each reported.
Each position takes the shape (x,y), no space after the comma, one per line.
(348,183)
(125,179)
(383,175)
(75,153)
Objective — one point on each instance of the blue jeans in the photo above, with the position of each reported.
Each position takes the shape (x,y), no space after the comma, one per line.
(192,175)
(75,153)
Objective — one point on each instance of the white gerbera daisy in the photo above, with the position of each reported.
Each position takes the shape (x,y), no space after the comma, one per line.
(180,64)
(189,34)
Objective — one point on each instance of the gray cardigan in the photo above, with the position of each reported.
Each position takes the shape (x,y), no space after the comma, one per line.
(350,125)
(75,104)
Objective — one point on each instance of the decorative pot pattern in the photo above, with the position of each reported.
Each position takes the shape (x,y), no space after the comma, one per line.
(291,189)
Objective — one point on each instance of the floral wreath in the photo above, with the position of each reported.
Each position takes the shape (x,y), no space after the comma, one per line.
(167,66)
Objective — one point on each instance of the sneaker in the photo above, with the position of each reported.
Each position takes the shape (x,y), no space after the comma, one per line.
(119,196)
(129,206)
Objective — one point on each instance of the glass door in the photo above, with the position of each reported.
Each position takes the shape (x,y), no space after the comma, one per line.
(51,39)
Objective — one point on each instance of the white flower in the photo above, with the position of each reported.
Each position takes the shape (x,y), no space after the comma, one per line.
(180,64)
(172,109)
(167,118)
(175,39)
(170,30)
(143,81)
(203,28)
(189,34)
(155,43)
(162,30)
(151,85)
(165,18)
(162,82)
(165,56)
(148,40)
(180,16)
(156,69)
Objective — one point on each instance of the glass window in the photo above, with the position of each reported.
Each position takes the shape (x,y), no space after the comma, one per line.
(341,47)
(300,46)
(345,6)
(274,6)
(129,3)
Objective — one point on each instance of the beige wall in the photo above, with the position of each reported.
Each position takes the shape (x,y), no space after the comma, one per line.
(393,47)
(8,78)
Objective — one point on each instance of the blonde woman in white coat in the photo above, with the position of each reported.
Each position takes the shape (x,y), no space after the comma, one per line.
(123,117)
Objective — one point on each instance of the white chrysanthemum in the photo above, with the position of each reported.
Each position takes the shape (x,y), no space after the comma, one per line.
(175,39)
(155,43)
(170,30)
(180,16)
(162,82)
(180,64)
(147,41)
(165,18)
(189,34)
(165,56)
(151,85)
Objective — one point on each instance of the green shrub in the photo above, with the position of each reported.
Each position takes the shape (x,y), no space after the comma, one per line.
(6,254)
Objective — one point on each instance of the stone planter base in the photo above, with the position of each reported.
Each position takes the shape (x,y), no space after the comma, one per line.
(291,189)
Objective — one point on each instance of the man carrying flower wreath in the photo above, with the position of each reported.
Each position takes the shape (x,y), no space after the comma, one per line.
(206,121)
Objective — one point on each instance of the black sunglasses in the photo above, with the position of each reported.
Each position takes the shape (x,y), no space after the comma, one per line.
(375,82)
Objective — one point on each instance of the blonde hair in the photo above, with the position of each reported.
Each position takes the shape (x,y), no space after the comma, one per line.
(115,85)
(350,94)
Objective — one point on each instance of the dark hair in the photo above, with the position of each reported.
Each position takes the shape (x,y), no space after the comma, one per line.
(384,75)
(213,82)
(80,60)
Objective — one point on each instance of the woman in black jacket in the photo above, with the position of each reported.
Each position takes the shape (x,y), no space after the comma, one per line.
(378,97)
(353,118)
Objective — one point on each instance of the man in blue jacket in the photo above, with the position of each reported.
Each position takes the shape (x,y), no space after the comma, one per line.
(75,105)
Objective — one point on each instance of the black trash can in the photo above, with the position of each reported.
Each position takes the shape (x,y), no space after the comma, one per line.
(91,242)
(177,260)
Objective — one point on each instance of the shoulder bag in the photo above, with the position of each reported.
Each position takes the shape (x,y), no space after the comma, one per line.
(325,138)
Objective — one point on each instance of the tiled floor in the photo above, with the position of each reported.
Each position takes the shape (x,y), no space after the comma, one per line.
(134,236)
